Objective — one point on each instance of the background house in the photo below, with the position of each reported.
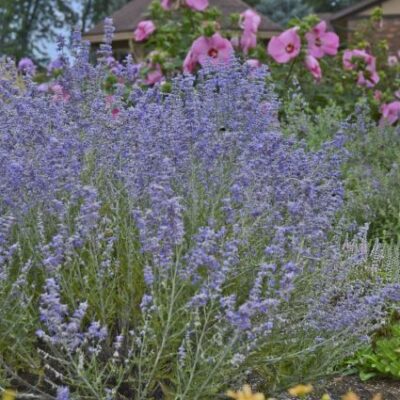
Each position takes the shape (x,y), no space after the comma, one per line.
(346,21)
(127,18)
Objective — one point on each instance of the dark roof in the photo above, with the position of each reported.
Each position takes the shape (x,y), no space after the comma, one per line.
(324,15)
(355,8)
(127,18)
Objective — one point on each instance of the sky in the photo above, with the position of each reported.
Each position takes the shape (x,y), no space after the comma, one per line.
(50,47)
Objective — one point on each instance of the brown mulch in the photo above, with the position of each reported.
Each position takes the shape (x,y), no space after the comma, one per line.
(389,389)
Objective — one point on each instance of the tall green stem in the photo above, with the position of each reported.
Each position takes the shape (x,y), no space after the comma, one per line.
(290,71)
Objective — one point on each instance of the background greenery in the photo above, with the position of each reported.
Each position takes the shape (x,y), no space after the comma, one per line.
(26,26)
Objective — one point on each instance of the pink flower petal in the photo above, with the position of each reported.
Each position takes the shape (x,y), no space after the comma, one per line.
(320,42)
(155,75)
(198,5)
(166,4)
(284,47)
(190,62)
(390,112)
(144,30)
(330,43)
(250,21)
(320,28)
(248,41)
(313,66)
(215,49)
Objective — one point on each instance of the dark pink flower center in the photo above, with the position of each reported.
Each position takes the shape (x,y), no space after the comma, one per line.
(318,42)
(213,53)
(289,48)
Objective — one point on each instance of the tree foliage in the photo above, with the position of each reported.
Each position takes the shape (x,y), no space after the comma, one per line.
(281,11)
(26,26)
(94,11)
(329,5)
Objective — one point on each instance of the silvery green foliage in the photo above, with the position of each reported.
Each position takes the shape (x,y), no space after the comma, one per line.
(360,277)
(160,247)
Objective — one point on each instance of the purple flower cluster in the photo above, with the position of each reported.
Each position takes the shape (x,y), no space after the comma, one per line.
(27,66)
(105,50)
(61,328)
(220,179)
(205,168)
(63,393)
(194,195)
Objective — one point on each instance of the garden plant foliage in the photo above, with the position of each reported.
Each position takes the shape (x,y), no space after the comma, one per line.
(168,245)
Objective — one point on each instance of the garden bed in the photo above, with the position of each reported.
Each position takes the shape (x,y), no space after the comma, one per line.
(177,241)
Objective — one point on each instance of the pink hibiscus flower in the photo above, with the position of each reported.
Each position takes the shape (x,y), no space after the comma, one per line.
(313,66)
(369,77)
(285,47)
(155,75)
(351,57)
(248,41)
(249,22)
(115,112)
(166,4)
(321,42)
(144,30)
(364,63)
(190,62)
(59,93)
(198,5)
(215,49)
(390,112)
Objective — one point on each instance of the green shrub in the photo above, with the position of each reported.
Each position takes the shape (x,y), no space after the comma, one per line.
(382,357)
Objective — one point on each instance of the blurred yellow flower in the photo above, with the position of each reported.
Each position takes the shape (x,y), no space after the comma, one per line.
(245,394)
(300,390)
(350,396)
(9,394)
(377,396)
(326,397)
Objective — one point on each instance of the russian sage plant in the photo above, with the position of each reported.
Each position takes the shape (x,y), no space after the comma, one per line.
(163,250)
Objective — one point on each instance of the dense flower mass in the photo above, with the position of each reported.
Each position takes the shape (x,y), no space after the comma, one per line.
(153,230)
